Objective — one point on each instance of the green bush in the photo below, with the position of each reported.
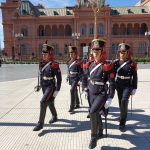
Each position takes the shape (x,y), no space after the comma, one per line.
(141,60)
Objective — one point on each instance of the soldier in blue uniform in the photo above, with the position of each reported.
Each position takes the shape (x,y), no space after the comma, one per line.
(100,94)
(74,75)
(126,80)
(85,67)
(49,72)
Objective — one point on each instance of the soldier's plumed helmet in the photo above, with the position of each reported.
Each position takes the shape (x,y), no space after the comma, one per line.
(98,44)
(123,47)
(72,49)
(46,48)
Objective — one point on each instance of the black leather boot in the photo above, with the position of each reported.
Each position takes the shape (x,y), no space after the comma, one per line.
(38,127)
(72,94)
(77,102)
(123,115)
(94,129)
(100,127)
(54,119)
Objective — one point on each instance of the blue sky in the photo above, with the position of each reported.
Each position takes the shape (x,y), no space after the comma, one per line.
(63,3)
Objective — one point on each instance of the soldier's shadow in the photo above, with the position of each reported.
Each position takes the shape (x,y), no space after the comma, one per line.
(137,133)
(64,125)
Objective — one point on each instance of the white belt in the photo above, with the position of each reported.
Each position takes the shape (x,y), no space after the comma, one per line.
(47,78)
(123,77)
(97,83)
(73,72)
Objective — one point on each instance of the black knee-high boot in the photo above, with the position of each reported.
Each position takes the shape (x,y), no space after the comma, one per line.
(100,127)
(123,114)
(94,130)
(72,94)
(40,124)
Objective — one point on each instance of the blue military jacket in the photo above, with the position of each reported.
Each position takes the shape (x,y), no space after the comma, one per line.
(97,77)
(74,70)
(126,73)
(49,74)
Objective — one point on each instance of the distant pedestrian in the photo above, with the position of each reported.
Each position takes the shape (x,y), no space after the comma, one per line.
(0,61)
(50,82)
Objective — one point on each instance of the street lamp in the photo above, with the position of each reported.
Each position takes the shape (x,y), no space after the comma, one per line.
(96,5)
(76,37)
(147,35)
(19,36)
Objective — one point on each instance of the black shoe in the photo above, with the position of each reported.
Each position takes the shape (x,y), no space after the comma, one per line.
(77,106)
(54,119)
(38,127)
(88,116)
(122,128)
(93,143)
(71,110)
(100,134)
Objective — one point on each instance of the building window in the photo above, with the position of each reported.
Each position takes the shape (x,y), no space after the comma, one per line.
(83,30)
(142,48)
(41,30)
(47,30)
(91,31)
(65,49)
(24,31)
(143,28)
(23,49)
(114,48)
(115,29)
(56,49)
(129,29)
(100,29)
(54,30)
(68,30)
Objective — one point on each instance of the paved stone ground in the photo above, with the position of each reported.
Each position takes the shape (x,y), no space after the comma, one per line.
(19,112)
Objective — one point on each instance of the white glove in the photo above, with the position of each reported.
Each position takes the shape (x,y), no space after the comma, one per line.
(108,103)
(133,92)
(55,93)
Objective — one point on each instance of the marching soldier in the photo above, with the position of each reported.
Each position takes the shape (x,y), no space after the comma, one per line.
(74,75)
(126,81)
(49,72)
(85,67)
(100,94)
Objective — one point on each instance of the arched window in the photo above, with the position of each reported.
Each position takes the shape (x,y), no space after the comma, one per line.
(83,30)
(68,30)
(91,30)
(47,30)
(122,29)
(41,30)
(143,28)
(100,29)
(54,30)
(61,30)
(24,31)
(136,29)
(115,29)
(129,29)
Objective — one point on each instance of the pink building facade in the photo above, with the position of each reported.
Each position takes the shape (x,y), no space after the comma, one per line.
(26,27)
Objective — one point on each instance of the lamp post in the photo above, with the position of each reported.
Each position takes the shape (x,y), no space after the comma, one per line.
(75,36)
(19,36)
(96,5)
(147,35)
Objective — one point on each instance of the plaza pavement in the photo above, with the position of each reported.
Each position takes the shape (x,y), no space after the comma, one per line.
(19,112)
